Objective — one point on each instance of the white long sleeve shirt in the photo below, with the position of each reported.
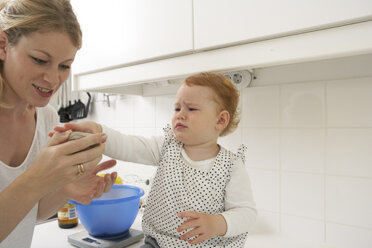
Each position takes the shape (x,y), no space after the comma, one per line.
(240,212)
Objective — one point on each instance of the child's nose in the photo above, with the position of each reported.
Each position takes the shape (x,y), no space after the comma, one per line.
(180,115)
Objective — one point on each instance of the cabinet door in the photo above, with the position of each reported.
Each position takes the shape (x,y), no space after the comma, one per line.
(117,32)
(225,22)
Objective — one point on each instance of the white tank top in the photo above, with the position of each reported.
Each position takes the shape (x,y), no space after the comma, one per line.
(21,236)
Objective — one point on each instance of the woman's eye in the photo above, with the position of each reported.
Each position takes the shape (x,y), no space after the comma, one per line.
(65,67)
(39,61)
(192,109)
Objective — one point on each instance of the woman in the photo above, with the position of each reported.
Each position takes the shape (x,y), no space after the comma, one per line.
(38,42)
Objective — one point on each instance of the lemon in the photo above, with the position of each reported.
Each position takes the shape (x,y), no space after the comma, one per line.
(117,181)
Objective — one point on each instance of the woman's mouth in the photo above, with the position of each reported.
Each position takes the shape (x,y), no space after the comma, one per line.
(43,91)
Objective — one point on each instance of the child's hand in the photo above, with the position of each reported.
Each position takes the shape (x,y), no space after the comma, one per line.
(85,126)
(203,226)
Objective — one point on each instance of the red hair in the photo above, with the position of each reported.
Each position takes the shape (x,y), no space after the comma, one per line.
(227,95)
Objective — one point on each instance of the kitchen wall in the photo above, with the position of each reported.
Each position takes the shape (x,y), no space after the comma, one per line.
(309,154)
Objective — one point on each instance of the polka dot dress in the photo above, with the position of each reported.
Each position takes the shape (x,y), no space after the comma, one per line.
(178,188)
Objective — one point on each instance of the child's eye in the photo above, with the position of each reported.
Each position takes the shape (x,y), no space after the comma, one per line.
(39,61)
(177,109)
(192,109)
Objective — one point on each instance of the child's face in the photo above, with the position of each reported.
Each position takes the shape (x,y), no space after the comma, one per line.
(195,115)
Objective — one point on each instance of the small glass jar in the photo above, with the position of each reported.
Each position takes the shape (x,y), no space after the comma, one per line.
(67,216)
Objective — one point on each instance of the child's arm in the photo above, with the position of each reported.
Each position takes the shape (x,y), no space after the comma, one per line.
(123,147)
(240,209)
(130,148)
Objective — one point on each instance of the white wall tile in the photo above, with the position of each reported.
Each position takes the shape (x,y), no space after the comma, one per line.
(349,103)
(144,112)
(303,150)
(124,111)
(159,131)
(347,236)
(164,110)
(102,114)
(302,105)
(266,189)
(266,222)
(348,201)
(260,107)
(349,152)
(308,230)
(232,141)
(263,147)
(303,195)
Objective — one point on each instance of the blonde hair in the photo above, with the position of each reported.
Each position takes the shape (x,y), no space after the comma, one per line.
(21,17)
(227,95)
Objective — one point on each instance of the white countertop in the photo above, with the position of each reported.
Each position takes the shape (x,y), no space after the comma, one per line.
(49,233)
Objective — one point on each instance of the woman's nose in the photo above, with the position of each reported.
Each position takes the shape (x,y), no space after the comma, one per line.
(52,76)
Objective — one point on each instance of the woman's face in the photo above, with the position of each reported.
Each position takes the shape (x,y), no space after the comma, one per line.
(36,66)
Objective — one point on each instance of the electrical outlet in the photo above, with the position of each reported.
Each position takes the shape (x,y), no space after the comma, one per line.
(241,79)
(228,76)
(237,78)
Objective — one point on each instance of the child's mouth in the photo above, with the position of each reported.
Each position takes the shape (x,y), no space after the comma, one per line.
(180,126)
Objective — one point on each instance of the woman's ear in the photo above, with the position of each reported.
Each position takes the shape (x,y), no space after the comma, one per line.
(3,44)
(223,120)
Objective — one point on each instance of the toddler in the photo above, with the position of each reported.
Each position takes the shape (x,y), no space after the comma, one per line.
(201,193)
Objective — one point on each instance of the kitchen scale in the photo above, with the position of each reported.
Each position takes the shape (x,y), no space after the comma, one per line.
(84,240)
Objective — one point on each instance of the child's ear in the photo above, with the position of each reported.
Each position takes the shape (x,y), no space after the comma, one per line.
(3,44)
(223,120)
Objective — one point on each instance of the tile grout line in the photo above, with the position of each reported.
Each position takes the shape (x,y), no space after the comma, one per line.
(325,161)
(280,160)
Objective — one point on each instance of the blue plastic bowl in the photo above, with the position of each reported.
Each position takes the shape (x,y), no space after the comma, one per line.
(111,215)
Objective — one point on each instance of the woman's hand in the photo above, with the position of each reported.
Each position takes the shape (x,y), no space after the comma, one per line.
(57,163)
(203,226)
(91,186)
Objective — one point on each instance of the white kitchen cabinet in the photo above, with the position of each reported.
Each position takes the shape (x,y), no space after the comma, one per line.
(333,43)
(206,35)
(121,32)
(229,22)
